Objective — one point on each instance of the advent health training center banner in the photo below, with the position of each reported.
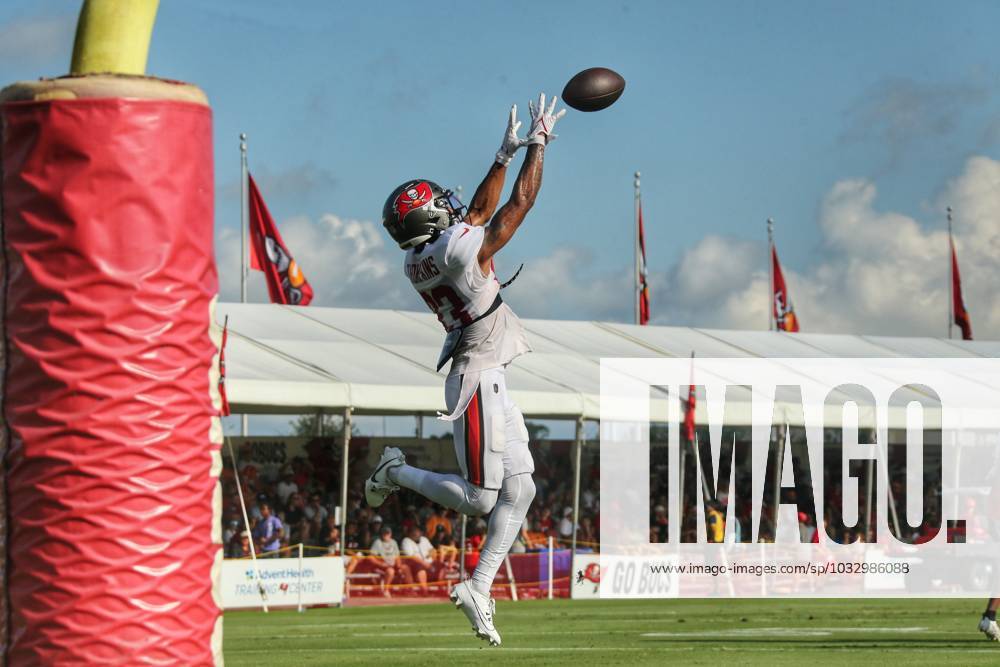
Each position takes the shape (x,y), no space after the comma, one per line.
(321,579)
(803,477)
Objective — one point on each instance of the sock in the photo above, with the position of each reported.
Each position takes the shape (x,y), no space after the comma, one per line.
(991,614)
(505,523)
(451,491)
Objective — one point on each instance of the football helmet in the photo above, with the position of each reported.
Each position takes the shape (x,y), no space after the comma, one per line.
(418,210)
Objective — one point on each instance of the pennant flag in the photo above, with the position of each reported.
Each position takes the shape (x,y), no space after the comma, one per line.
(959,314)
(222,369)
(643,283)
(268,253)
(689,411)
(782,310)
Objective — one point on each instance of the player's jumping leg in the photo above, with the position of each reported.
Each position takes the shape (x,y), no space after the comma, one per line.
(473,596)
(505,524)
(450,491)
(508,437)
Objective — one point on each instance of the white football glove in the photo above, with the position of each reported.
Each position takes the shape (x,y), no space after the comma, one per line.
(543,120)
(511,142)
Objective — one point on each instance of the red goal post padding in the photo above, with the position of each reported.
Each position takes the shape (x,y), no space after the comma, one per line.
(109,396)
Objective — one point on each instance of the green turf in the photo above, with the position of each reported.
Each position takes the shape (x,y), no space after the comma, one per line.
(564,632)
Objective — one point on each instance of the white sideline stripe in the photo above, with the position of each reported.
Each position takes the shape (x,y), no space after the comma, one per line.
(310,626)
(785,632)
(741,632)
(651,649)
(255,634)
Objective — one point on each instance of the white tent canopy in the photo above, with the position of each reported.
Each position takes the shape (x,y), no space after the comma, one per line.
(285,359)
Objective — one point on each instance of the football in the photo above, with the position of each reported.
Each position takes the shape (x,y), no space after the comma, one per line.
(593,89)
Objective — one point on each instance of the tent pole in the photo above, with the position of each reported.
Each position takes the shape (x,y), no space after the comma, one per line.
(346,439)
(578,451)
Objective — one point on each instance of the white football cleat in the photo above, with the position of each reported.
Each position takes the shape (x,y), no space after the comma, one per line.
(379,486)
(990,629)
(478,609)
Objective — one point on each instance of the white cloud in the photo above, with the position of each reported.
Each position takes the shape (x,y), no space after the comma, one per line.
(347,262)
(881,272)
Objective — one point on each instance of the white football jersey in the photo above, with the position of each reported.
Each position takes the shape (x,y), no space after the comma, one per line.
(447,275)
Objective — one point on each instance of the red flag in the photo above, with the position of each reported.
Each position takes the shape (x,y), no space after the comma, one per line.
(782,310)
(643,283)
(689,412)
(268,253)
(960,314)
(222,369)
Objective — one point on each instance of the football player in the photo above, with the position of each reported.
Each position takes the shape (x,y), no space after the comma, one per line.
(449,261)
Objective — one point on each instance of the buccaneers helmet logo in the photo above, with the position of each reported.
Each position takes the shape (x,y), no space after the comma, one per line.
(412,198)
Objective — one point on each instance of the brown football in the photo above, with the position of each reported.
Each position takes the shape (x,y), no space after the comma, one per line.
(593,89)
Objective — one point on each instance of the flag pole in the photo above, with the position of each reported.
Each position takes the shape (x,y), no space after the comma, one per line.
(635,258)
(244,231)
(770,274)
(951,277)
(244,216)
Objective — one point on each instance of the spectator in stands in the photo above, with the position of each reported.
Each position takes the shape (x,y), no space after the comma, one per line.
(238,546)
(566,524)
(660,523)
(419,553)
(286,487)
(268,532)
(715,522)
(586,536)
(301,533)
(435,520)
(387,562)
(295,511)
(473,543)
(352,538)
(331,541)
(315,511)
(546,525)
(446,552)
(253,507)
(232,528)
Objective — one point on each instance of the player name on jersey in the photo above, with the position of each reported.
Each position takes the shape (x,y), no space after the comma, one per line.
(421,271)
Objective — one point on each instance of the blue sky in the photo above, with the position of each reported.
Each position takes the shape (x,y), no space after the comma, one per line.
(735,111)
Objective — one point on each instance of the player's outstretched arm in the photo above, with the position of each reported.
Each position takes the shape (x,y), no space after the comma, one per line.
(526,187)
(487,196)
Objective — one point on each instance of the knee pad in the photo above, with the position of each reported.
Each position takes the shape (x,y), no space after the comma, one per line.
(519,490)
(528,491)
(480,501)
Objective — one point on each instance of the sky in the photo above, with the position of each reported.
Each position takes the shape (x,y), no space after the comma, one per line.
(852,124)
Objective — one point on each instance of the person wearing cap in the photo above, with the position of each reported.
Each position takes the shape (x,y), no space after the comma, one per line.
(387,562)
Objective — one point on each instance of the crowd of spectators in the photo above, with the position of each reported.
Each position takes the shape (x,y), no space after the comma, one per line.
(807,527)
(413,541)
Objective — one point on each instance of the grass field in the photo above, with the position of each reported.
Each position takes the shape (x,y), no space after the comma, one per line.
(563,632)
